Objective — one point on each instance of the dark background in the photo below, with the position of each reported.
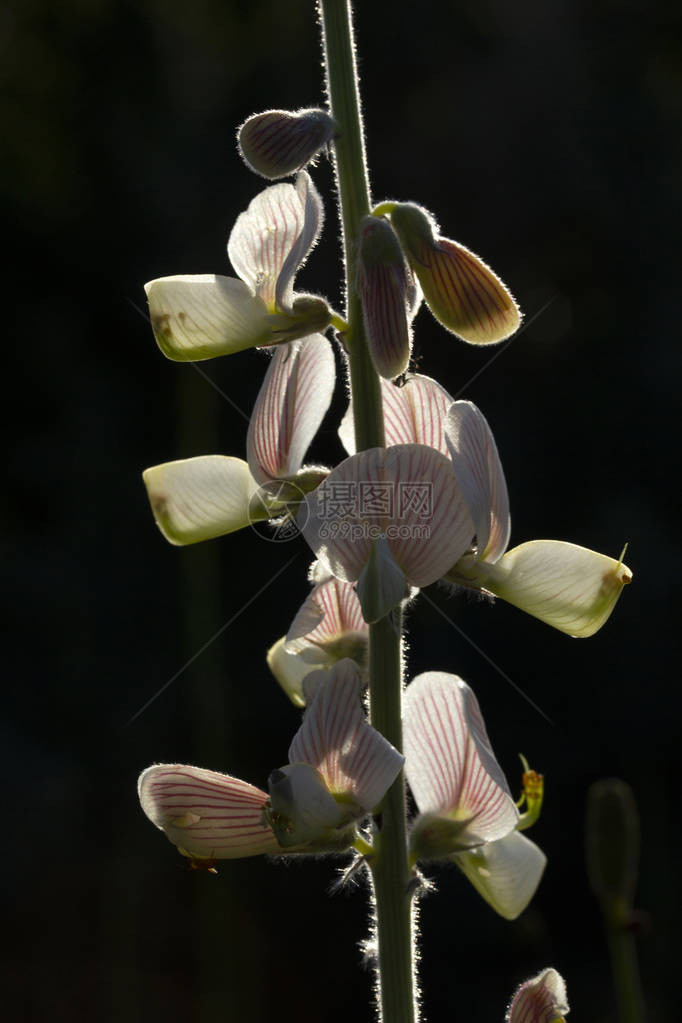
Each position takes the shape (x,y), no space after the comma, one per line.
(546,138)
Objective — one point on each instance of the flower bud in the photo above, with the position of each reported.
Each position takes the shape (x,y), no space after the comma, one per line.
(612,840)
(383,287)
(462,292)
(280,142)
(540,1000)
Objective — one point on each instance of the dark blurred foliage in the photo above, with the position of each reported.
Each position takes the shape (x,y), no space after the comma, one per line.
(547,138)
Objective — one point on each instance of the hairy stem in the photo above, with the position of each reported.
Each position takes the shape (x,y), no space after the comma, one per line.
(390,869)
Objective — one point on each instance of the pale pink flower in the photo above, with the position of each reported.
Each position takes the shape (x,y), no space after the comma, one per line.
(389,518)
(203,316)
(200,498)
(569,587)
(467,812)
(328,627)
(540,1000)
(339,769)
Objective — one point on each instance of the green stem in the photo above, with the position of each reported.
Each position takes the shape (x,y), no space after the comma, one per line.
(354,202)
(390,869)
(625,970)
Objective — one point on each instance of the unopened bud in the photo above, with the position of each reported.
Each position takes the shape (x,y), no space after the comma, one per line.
(612,841)
(461,291)
(280,142)
(383,286)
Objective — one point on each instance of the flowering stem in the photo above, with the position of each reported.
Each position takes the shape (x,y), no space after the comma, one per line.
(390,870)
(354,203)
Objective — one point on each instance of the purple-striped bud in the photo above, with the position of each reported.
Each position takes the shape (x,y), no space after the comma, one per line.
(280,142)
(461,291)
(384,290)
(540,1000)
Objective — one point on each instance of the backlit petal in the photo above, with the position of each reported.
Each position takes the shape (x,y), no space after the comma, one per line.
(330,614)
(206,814)
(450,765)
(407,493)
(291,404)
(290,669)
(199,498)
(271,239)
(413,414)
(539,1000)
(480,475)
(569,587)
(506,873)
(278,142)
(335,738)
(203,316)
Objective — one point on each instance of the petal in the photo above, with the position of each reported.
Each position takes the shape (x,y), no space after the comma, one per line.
(290,669)
(480,475)
(203,316)
(271,239)
(415,413)
(199,498)
(278,142)
(336,739)
(303,808)
(330,614)
(462,292)
(382,286)
(541,999)
(569,587)
(450,765)
(465,295)
(406,493)
(291,404)
(382,584)
(506,873)
(206,814)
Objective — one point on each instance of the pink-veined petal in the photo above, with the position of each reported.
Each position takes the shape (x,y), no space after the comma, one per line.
(335,738)
(566,586)
(413,414)
(200,498)
(506,873)
(449,762)
(271,238)
(330,612)
(291,404)
(382,286)
(541,999)
(313,219)
(206,814)
(203,316)
(480,475)
(278,142)
(407,493)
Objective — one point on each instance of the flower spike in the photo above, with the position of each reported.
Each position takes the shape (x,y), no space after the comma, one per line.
(462,292)
(201,317)
(541,999)
(276,143)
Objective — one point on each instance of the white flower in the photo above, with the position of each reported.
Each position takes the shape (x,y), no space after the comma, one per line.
(200,498)
(203,316)
(467,812)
